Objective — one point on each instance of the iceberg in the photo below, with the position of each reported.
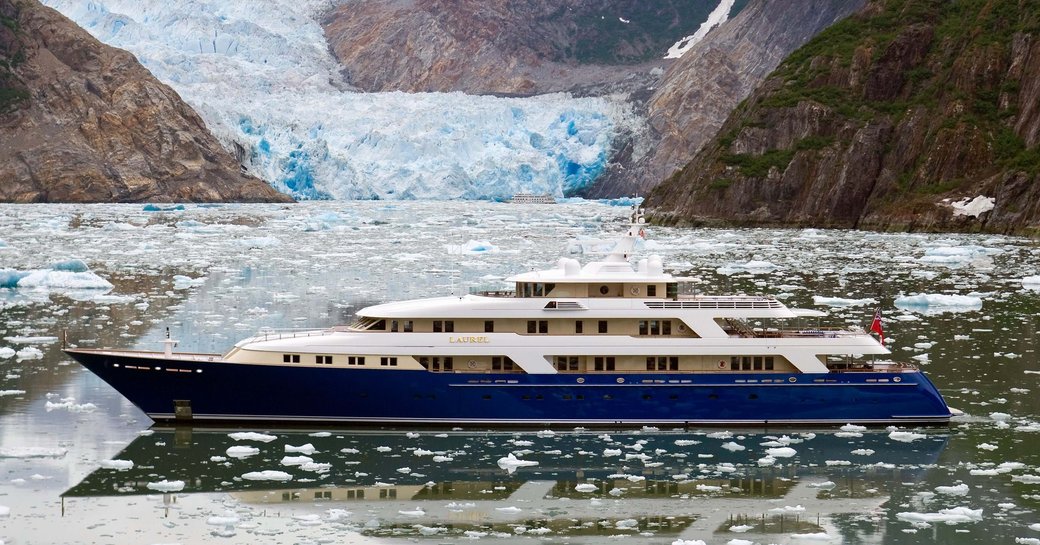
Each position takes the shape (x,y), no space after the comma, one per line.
(263,79)
(935,303)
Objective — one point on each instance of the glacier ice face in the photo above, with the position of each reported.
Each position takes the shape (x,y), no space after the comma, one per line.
(261,76)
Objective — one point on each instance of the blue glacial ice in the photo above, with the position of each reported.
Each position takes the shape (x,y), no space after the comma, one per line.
(261,76)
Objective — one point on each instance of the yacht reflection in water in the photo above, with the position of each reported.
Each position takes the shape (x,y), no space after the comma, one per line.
(643,484)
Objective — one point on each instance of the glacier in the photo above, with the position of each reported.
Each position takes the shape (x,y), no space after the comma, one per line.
(261,76)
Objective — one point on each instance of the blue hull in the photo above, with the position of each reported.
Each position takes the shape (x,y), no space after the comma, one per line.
(207,391)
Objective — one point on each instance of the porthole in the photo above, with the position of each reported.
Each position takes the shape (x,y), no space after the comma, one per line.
(603,290)
(581,380)
(792,379)
(897,379)
(635,290)
(620,380)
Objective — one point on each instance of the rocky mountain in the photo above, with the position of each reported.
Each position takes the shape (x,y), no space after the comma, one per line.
(82,122)
(910,114)
(509,47)
(700,89)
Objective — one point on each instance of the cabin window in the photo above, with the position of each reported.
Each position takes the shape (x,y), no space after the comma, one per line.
(526,289)
(666,327)
(501,363)
(379,326)
(425,362)
(758,363)
(650,362)
(745,363)
(603,363)
(671,290)
(602,326)
(325,360)
(642,327)
(734,364)
(489,326)
(543,326)
(356,360)
(449,364)
(449,326)
(388,361)
(769,363)
(651,290)
(567,363)
(438,326)
(655,327)
(290,358)
(577,326)
(532,326)
(393,326)
(673,363)
(408,326)
(662,363)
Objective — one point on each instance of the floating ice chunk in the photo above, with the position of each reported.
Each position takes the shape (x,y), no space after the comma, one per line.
(31,340)
(6,352)
(252,436)
(626,524)
(29,353)
(383,449)
(740,529)
(239,451)
(766,461)
(957,490)
(939,303)
(1027,540)
(472,247)
(825,485)
(740,542)
(863,452)
(512,510)
(955,515)
(1000,417)
(5,511)
(686,442)
(11,392)
(709,488)
(733,446)
(441,459)
(987,446)
(781,452)
(181,282)
(610,452)
(689,541)
(1027,479)
(417,512)
(267,475)
(719,435)
(296,460)
(120,465)
(166,486)
(511,462)
(754,267)
(1029,282)
(52,279)
(1035,527)
(32,452)
(788,509)
(837,462)
(302,449)
(842,302)
(586,487)
(906,436)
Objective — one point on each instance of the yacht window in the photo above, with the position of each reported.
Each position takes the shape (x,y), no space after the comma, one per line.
(758,363)
(666,327)
(549,288)
(538,290)
(610,363)
(290,358)
(527,289)
(745,363)
(449,326)
(651,290)
(532,326)
(438,326)
(449,364)
(436,363)
(673,363)
(543,326)
(572,363)
(393,326)
(642,327)
(356,360)
(734,364)
(597,363)
(425,362)
(407,326)
(577,326)
(662,363)
(655,327)
(489,326)
(602,326)
(388,361)
(380,325)
(325,360)
(671,290)
(650,363)
(769,363)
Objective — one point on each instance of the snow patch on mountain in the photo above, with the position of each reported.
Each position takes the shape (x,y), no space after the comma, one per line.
(262,78)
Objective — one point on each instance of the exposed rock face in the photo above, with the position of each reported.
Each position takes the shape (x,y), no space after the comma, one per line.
(698,91)
(84,122)
(514,47)
(885,120)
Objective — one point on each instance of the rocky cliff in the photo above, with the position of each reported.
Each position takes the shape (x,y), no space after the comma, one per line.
(84,122)
(698,91)
(512,47)
(911,114)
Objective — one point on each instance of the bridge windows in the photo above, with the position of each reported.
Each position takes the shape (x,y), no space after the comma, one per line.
(662,363)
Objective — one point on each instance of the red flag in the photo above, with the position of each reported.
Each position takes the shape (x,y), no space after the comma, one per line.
(875,326)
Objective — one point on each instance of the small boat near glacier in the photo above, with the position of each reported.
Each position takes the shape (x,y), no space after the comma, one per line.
(600,344)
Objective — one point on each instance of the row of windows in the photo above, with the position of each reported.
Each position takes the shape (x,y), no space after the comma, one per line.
(388,361)
(662,363)
(536,289)
(356,360)
(655,327)
(542,326)
(566,363)
(295,358)
(502,363)
(748,363)
(438,363)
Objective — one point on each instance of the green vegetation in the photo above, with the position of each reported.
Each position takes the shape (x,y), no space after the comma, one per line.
(9,98)
(720,184)
(757,166)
